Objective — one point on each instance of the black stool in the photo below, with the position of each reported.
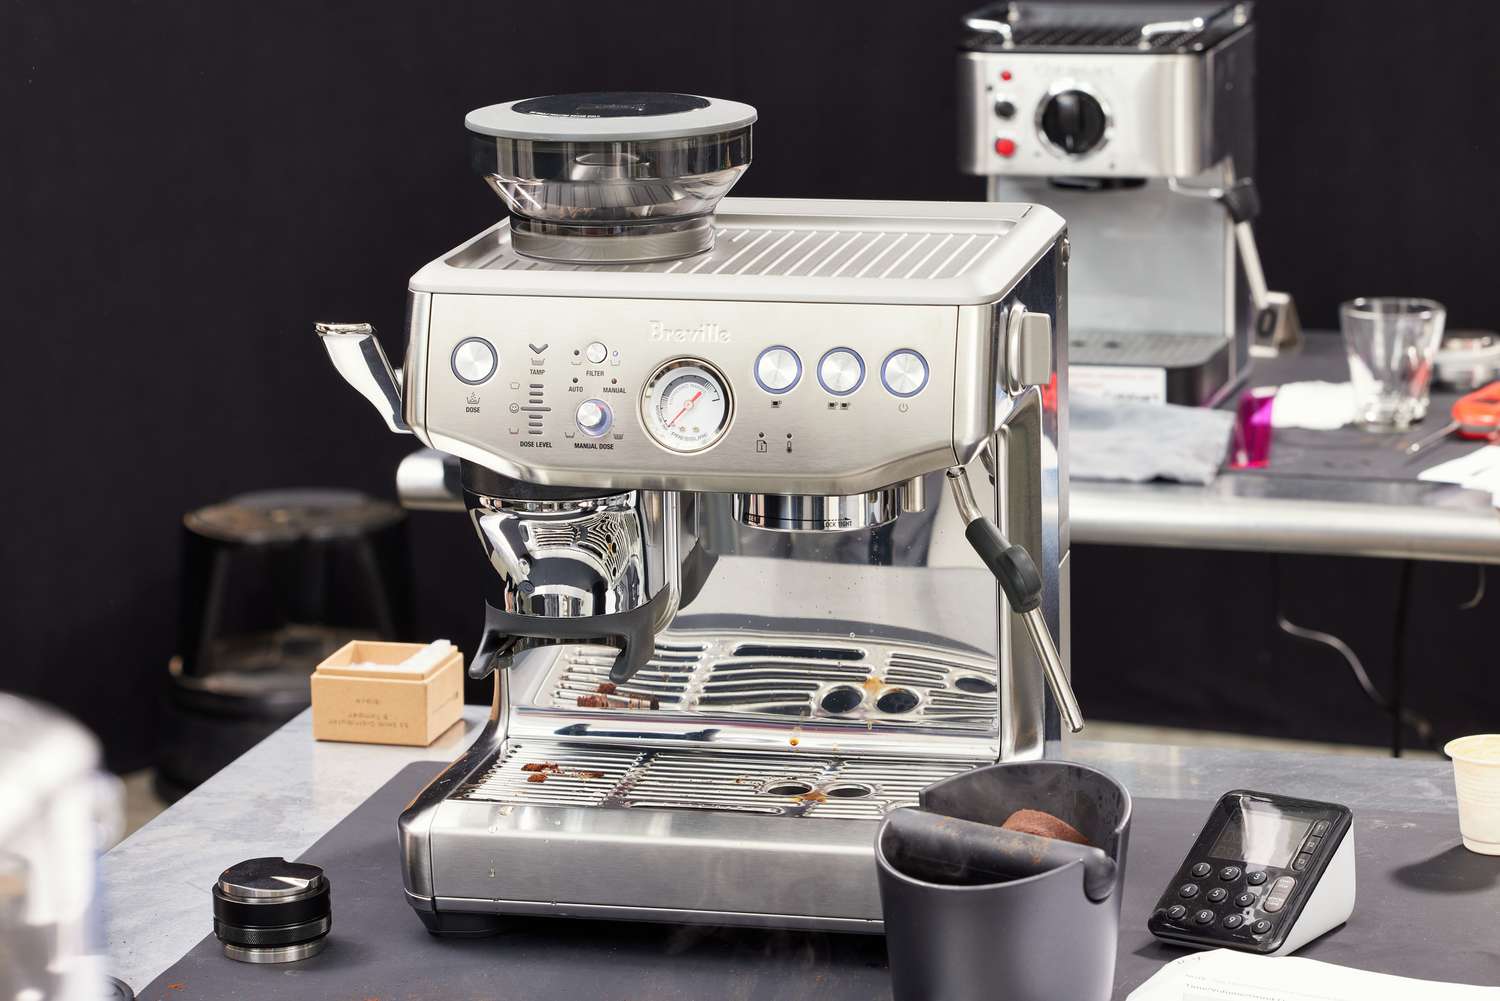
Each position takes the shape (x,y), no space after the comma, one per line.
(272,583)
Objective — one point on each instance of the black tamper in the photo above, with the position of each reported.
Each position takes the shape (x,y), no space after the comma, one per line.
(269,910)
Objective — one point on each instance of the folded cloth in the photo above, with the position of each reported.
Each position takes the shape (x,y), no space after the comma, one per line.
(1124,440)
(1317,406)
(1222,975)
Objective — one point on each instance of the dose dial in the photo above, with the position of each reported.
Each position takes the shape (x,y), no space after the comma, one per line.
(594,418)
(686,405)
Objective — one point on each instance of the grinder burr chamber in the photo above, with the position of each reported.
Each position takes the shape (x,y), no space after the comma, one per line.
(618,177)
(719,457)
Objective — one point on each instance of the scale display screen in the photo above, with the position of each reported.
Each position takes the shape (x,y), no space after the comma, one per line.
(1262,834)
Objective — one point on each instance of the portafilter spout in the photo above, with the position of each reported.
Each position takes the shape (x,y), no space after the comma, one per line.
(1019,578)
(361,360)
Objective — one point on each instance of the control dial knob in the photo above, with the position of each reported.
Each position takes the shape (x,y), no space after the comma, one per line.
(594,418)
(841,371)
(1074,121)
(904,373)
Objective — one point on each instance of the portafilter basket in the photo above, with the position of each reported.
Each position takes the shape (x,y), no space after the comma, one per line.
(612,178)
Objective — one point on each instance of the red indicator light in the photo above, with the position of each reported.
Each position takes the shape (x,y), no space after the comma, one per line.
(1005,147)
(1005,75)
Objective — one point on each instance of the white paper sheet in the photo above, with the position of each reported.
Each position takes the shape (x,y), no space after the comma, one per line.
(1224,975)
(1479,470)
(418,663)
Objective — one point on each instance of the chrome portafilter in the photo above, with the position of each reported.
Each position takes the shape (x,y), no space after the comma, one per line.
(1019,578)
(269,910)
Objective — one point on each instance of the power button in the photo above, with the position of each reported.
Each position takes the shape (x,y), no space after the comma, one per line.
(1005,147)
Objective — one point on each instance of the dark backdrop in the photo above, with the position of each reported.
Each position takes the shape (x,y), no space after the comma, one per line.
(188,185)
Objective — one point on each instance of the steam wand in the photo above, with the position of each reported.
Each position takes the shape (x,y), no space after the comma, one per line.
(1017,574)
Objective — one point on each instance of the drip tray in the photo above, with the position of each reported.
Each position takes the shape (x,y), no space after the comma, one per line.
(787,784)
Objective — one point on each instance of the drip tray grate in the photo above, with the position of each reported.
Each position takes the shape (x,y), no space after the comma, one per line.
(802,677)
(790,784)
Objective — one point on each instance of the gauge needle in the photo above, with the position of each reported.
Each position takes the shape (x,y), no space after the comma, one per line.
(685,407)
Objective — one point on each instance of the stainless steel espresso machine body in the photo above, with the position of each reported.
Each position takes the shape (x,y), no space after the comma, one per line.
(732,484)
(1136,123)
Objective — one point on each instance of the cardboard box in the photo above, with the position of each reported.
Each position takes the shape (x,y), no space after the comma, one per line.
(364,693)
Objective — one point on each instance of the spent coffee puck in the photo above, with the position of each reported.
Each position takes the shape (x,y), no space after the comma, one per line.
(269,910)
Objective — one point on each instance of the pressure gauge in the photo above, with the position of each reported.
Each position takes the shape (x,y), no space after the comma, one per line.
(686,405)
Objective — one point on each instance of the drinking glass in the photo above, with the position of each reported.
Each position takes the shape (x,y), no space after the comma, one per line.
(1391,343)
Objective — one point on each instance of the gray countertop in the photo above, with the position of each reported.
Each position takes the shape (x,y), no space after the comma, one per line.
(288,791)
(1328,493)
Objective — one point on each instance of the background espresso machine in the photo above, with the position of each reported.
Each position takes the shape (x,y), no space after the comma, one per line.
(742,479)
(1136,123)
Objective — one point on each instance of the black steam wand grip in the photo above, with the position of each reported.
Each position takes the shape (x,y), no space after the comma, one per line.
(1019,578)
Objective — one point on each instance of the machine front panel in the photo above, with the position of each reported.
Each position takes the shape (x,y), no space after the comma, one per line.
(751,396)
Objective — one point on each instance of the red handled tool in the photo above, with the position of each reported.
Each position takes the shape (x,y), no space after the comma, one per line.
(1474,416)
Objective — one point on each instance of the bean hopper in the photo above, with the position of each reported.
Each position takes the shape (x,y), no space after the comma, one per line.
(774,495)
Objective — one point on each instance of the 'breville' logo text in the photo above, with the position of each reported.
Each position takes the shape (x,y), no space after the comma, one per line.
(704,333)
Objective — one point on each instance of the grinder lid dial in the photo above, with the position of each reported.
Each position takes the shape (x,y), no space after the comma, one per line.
(610,116)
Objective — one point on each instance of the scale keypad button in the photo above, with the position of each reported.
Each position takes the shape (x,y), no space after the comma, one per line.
(1217,895)
(1301,862)
(1255,878)
(1202,869)
(1261,927)
(1232,921)
(1176,912)
(1204,917)
(1280,890)
(1312,843)
(1187,891)
(1244,900)
(1320,828)
(1229,872)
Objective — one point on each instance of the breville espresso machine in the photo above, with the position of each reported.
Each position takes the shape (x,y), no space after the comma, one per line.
(1136,123)
(774,492)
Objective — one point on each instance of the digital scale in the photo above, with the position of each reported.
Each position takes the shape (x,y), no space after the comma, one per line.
(1267,874)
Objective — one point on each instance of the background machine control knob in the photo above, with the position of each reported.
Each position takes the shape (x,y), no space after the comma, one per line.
(778,369)
(1074,122)
(594,418)
(904,373)
(596,352)
(841,371)
(474,360)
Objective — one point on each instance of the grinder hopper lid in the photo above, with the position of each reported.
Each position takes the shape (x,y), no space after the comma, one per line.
(615,177)
(611,116)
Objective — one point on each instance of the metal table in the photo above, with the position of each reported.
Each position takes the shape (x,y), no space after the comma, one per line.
(1269,511)
(288,791)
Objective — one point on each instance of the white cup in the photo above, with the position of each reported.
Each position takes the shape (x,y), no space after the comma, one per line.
(1476,775)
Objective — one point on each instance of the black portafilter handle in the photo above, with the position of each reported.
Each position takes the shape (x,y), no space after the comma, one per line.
(950,851)
(1016,572)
